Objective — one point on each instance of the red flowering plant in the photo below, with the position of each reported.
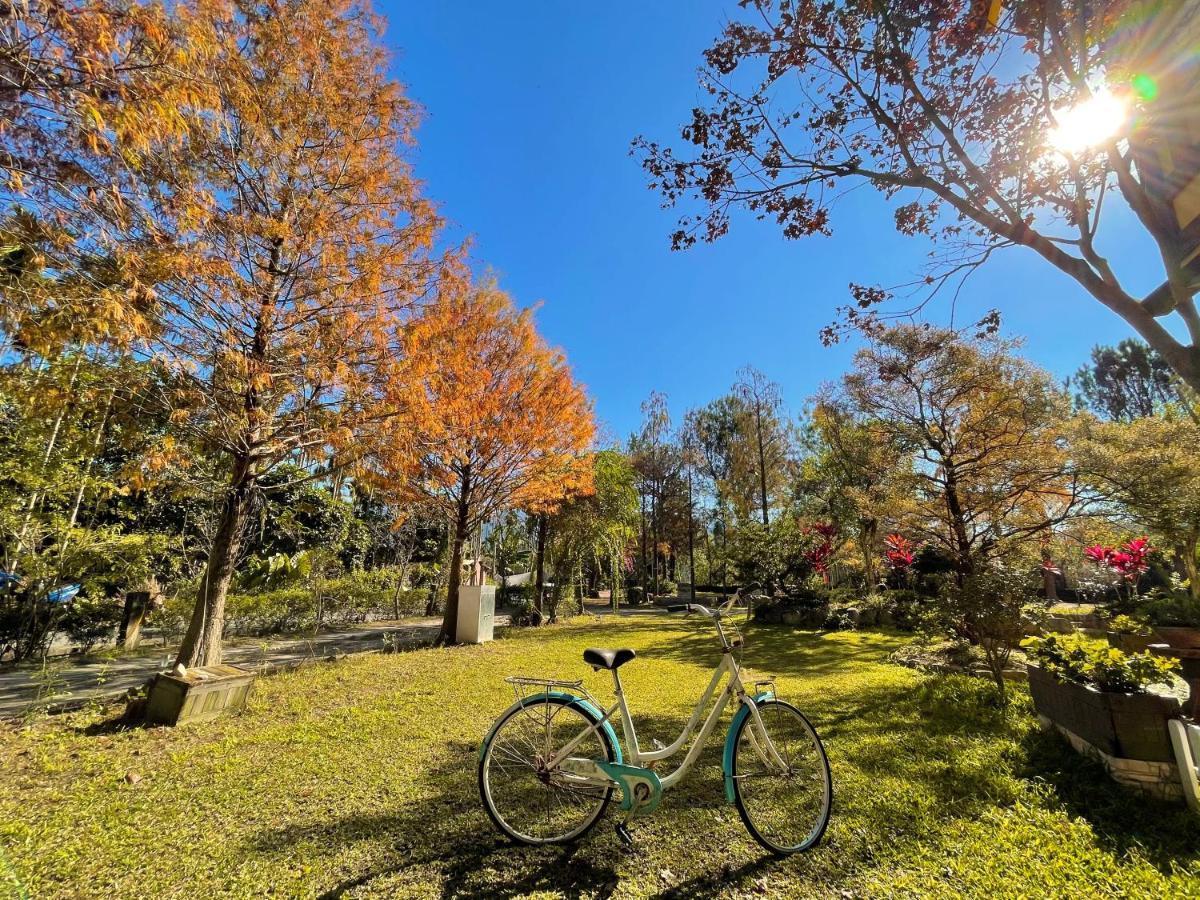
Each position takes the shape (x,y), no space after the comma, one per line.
(898,553)
(1127,563)
(820,555)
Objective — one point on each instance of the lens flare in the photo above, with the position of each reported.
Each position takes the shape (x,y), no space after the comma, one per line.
(1089,123)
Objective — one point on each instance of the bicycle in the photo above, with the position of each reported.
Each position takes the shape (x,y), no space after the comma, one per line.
(551,762)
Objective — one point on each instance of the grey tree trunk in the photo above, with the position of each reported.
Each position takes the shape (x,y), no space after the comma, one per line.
(202,643)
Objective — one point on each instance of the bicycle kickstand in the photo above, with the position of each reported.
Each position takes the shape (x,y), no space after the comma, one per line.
(623,832)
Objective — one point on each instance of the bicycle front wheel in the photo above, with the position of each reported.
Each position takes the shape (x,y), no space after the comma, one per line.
(530,801)
(784,797)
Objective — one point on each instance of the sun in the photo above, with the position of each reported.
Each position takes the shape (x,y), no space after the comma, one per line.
(1089,123)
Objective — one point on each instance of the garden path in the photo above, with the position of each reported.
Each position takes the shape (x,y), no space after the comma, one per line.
(67,682)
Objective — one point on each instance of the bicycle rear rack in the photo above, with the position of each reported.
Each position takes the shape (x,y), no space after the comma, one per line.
(525,687)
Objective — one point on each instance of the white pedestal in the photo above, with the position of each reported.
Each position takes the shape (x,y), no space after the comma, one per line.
(476,613)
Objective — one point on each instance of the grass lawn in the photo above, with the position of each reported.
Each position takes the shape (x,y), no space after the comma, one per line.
(358,779)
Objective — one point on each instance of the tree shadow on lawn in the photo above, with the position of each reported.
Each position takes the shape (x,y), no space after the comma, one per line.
(447,837)
(1166,834)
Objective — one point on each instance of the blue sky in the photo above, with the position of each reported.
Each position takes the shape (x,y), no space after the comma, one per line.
(530,110)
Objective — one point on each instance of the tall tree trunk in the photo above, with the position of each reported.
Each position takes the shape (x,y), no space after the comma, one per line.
(964,565)
(202,643)
(868,530)
(614,597)
(1189,563)
(462,524)
(539,578)
(762,464)
(644,570)
(654,535)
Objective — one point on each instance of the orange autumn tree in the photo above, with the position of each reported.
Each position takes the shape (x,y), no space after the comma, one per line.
(308,243)
(509,425)
(89,90)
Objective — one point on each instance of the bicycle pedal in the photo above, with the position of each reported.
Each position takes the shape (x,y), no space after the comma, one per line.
(624,834)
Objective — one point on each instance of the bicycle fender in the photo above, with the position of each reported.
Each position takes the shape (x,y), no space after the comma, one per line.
(585,707)
(727,759)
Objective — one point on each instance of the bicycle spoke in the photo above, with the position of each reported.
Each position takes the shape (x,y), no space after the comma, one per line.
(785,808)
(529,801)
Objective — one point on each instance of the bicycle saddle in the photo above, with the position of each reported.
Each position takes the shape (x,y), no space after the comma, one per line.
(607,659)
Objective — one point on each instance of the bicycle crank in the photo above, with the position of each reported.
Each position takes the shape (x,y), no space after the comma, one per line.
(641,791)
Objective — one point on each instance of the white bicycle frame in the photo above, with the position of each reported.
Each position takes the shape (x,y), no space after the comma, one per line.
(587,770)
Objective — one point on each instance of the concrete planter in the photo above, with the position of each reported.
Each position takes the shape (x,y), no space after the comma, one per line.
(1127,726)
(1129,643)
(1180,637)
(201,694)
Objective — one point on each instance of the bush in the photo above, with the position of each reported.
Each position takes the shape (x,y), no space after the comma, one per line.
(353,597)
(1078,660)
(844,595)
(635,595)
(840,619)
(667,588)
(1171,609)
(906,607)
(516,595)
(1129,625)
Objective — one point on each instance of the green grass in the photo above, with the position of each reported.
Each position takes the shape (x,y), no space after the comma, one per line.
(357,779)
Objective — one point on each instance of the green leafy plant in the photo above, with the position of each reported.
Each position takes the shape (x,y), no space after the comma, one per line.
(1129,625)
(1078,660)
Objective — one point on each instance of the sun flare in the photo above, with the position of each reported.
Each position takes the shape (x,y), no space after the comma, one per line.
(1089,123)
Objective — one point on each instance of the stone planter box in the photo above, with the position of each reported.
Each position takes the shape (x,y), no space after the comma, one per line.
(203,693)
(1178,636)
(1129,643)
(1126,726)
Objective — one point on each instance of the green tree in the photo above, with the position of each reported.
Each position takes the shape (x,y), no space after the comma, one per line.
(1148,470)
(594,531)
(1129,381)
(855,473)
(991,475)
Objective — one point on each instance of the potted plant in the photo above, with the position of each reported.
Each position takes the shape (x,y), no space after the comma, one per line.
(1129,634)
(1103,695)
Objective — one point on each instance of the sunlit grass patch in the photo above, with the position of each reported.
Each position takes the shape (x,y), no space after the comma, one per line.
(358,779)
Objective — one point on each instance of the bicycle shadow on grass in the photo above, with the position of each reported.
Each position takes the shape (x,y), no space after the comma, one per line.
(445,840)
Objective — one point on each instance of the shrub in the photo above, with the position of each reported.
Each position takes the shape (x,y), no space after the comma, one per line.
(1129,625)
(844,595)
(1078,660)
(840,619)
(1171,609)
(667,588)
(352,597)
(635,595)
(907,607)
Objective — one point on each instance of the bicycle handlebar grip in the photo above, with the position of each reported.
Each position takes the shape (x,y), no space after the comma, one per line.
(679,607)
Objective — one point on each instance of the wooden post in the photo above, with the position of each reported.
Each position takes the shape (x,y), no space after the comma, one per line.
(132,617)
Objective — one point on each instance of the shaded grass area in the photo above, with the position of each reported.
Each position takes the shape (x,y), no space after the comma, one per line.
(358,780)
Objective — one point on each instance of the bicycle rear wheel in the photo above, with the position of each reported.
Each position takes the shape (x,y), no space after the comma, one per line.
(528,801)
(785,808)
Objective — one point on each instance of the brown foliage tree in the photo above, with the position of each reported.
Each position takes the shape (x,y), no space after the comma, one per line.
(306,242)
(929,101)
